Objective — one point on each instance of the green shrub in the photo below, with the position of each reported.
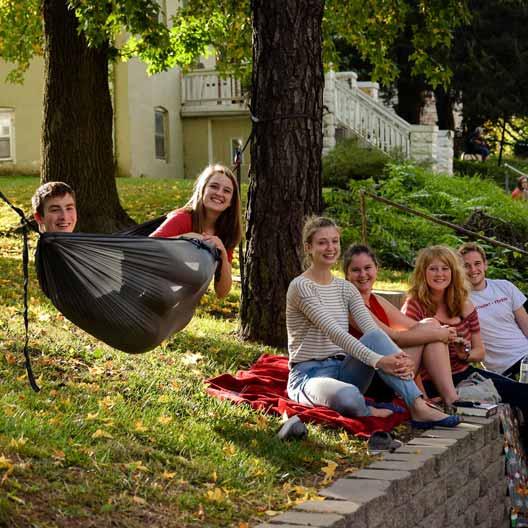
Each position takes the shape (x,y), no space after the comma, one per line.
(489,170)
(351,161)
(521,148)
(397,236)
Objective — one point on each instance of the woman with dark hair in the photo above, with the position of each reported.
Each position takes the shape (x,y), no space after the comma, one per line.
(213,212)
(521,190)
(328,366)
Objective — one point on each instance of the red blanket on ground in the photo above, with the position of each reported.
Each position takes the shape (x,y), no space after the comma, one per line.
(263,386)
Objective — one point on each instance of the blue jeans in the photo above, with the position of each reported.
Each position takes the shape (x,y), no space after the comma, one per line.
(340,383)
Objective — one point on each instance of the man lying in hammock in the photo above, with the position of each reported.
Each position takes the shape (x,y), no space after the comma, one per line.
(54,208)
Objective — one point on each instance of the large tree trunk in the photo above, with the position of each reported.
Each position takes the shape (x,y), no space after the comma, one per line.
(444,108)
(77,125)
(285,186)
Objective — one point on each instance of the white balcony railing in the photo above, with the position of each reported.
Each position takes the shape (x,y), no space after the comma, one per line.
(205,91)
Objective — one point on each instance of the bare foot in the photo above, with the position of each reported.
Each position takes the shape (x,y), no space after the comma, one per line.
(380,413)
(422,412)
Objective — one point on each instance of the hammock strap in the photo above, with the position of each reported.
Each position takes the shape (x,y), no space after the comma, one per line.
(26,226)
(25,266)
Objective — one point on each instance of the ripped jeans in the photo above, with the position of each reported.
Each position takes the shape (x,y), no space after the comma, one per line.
(340,383)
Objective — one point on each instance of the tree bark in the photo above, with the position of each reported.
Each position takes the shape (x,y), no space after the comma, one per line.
(77,125)
(285,184)
(444,108)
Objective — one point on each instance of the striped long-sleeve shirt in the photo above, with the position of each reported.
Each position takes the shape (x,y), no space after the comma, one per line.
(317,321)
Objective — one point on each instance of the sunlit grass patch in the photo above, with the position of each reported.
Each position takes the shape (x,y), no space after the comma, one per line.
(134,440)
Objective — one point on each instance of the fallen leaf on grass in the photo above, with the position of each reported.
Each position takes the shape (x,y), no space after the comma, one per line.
(18,442)
(271,513)
(139,500)
(59,454)
(243,525)
(92,416)
(9,410)
(164,398)
(139,427)
(101,434)
(262,422)
(107,402)
(166,475)
(5,463)
(137,466)
(229,449)
(329,471)
(164,419)
(10,358)
(217,495)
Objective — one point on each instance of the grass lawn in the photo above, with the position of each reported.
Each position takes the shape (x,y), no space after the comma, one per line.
(128,441)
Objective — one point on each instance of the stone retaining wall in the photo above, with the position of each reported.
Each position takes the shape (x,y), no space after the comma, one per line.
(444,478)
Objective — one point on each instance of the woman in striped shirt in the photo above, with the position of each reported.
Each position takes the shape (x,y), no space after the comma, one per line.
(328,366)
(439,290)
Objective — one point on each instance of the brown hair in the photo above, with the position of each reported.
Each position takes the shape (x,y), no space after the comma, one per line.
(354,250)
(468,247)
(456,293)
(312,224)
(49,190)
(228,226)
(520,179)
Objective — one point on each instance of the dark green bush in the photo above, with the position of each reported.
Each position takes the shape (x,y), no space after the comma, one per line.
(521,148)
(397,236)
(351,161)
(488,169)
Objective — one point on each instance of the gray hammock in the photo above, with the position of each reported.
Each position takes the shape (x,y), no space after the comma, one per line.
(131,292)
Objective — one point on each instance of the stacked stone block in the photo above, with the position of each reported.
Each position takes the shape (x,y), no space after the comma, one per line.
(444,478)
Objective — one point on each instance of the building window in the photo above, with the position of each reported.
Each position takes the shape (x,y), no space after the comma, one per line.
(161,133)
(6,134)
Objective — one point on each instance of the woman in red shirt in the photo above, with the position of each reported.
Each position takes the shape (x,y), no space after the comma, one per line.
(439,290)
(424,341)
(213,212)
(521,190)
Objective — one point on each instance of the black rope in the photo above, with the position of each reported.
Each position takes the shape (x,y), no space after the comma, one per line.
(256,119)
(26,226)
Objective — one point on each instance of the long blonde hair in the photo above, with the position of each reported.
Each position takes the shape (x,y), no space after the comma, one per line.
(228,226)
(456,293)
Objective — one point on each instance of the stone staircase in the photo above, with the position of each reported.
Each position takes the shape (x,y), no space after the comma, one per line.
(353,108)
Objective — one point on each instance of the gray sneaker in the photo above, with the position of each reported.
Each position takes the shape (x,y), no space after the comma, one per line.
(292,428)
